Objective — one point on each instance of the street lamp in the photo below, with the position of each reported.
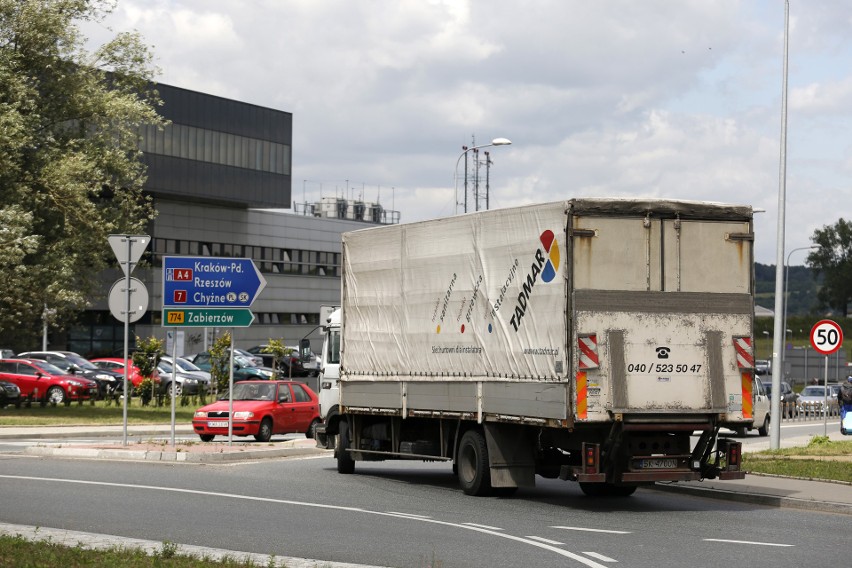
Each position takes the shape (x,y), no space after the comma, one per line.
(465,150)
(784,299)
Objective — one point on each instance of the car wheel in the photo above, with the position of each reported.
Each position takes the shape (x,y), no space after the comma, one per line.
(345,463)
(741,431)
(178,389)
(474,471)
(18,403)
(310,432)
(55,395)
(264,432)
(764,430)
(206,437)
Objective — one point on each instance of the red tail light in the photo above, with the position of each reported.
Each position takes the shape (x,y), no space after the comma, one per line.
(734,455)
(591,457)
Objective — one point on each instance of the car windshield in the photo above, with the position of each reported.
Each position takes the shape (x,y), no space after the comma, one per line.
(48,368)
(185,365)
(164,367)
(813,391)
(768,388)
(253,391)
(80,362)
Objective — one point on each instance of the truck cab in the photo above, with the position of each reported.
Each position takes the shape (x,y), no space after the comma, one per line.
(329,382)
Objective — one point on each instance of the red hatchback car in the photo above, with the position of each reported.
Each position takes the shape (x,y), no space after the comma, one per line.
(40,381)
(261,409)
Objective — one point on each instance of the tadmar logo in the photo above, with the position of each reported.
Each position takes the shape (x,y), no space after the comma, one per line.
(545,267)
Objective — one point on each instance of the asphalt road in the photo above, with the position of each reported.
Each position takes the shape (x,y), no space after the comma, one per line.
(406,514)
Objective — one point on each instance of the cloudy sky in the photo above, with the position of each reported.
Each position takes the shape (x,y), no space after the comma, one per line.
(653,98)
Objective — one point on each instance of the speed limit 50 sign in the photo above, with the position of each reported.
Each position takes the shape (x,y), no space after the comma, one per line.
(826,337)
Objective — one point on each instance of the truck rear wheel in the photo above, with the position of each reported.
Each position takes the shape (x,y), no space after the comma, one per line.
(472,460)
(345,463)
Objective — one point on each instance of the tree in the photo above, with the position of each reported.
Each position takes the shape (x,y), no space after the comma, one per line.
(70,167)
(834,261)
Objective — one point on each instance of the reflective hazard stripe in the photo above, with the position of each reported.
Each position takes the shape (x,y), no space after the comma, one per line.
(582,396)
(748,401)
(745,352)
(588,349)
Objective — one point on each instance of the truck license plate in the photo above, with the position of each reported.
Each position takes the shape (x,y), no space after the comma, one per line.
(217,424)
(658,463)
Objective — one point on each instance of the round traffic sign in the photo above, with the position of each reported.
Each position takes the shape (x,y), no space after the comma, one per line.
(118,300)
(826,337)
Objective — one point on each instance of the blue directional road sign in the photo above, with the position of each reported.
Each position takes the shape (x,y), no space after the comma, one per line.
(210,282)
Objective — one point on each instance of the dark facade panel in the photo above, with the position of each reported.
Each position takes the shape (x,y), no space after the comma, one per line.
(182,106)
(214,183)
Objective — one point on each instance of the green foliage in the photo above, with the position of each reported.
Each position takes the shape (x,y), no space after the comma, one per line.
(70,167)
(220,358)
(819,441)
(834,261)
(279,351)
(145,391)
(147,355)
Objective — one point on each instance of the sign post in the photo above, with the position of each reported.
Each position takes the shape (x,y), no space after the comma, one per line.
(128,250)
(205,291)
(826,338)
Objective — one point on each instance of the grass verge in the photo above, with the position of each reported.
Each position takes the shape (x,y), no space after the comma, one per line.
(820,459)
(101,413)
(19,552)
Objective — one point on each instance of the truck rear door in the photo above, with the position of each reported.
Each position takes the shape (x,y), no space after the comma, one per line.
(660,302)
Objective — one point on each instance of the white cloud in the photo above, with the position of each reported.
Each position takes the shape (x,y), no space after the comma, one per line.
(616,97)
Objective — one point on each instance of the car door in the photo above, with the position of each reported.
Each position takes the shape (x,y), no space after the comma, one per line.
(9,372)
(305,409)
(24,375)
(761,403)
(284,410)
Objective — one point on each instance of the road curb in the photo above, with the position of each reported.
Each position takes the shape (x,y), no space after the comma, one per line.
(758,499)
(231,455)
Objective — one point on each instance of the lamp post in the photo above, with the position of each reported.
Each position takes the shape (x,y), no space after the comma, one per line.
(465,150)
(784,300)
(775,410)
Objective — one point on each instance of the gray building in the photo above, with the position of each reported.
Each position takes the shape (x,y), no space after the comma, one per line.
(220,177)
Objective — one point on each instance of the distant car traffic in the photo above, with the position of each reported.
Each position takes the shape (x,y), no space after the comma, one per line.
(244,368)
(788,396)
(290,366)
(813,399)
(10,394)
(40,381)
(261,409)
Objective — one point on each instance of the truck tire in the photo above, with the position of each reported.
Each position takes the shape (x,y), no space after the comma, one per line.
(473,469)
(764,429)
(345,463)
(309,433)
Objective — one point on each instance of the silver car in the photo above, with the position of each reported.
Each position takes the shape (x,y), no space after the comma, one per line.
(813,399)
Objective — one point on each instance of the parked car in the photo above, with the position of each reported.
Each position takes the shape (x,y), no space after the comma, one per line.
(187,366)
(73,364)
(40,381)
(185,383)
(244,368)
(813,398)
(261,409)
(788,396)
(256,359)
(10,393)
(287,364)
(118,363)
(763,367)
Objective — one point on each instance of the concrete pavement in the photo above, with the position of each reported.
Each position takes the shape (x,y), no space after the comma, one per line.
(151,443)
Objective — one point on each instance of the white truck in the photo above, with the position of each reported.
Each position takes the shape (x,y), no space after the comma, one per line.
(587,339)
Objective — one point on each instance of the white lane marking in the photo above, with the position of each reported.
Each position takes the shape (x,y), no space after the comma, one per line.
(746,542)
(600,557)
(125,486)
(409,515)
(547,541)
(482,526)
(591,530)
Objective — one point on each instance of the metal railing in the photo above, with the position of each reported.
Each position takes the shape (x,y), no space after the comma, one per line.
(805,411)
